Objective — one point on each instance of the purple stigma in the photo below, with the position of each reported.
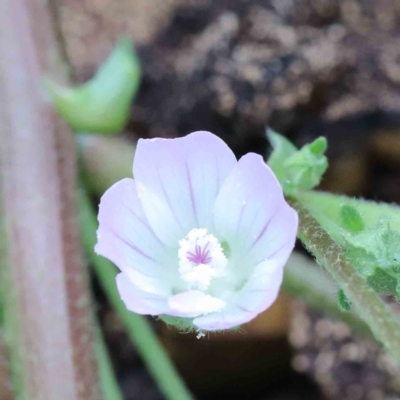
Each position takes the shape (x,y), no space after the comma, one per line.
(200,256)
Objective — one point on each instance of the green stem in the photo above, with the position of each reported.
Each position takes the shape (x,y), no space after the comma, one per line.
(311,284)
(138,328)
(109,385)
(366,302)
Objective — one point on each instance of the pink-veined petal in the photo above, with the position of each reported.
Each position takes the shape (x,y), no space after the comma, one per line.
(125,237)
(277,238)
(258,294)
(193,303)
(139,301)
(178,181)
(251,213)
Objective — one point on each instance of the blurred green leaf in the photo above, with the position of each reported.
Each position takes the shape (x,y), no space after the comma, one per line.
(102,105)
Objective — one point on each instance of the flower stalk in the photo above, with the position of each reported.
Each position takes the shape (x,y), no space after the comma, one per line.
(109,383)
(308,282)
(47,308)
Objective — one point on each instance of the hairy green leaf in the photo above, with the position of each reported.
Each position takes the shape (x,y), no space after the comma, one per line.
(375,252)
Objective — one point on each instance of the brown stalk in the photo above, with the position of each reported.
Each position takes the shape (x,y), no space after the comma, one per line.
(48,315)
(5,380)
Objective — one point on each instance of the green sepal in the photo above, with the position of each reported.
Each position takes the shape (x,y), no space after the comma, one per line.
(185,325)
(282,150)
(102,105)
(297,169)
(180,323)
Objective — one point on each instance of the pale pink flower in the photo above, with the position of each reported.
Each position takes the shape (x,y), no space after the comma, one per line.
(197,234)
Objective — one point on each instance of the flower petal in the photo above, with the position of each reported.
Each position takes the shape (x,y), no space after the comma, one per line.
(125,238)
(139,301)
(178,181)
(251,213)
(262,288)
(193,303)
(277,238)
(258,294)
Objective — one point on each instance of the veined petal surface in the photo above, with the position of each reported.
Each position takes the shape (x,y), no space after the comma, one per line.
(125,237)
(252,215)
(178,181)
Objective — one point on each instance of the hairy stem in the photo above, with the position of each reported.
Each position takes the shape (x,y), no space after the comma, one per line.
(138,328)
(366,302)
(313,285)
(47,307)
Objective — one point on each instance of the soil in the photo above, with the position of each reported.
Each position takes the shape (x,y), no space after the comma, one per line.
(234,67)
(306,68)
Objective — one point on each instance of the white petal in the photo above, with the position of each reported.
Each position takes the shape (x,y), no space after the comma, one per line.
(262,288)
(277,239)
(125,237)
(139,301)
(178,181)
(251,213)
(193,303)
(258,294)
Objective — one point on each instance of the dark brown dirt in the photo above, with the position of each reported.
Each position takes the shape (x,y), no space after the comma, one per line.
(234,67)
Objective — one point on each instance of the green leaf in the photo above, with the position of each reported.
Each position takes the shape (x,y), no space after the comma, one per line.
(351,219)
(369,233)
(102,105)
(326,208)
(382,282)
(297,169)
(375,252)
(343,301)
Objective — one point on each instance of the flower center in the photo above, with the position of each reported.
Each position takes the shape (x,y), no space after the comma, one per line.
(201,259)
